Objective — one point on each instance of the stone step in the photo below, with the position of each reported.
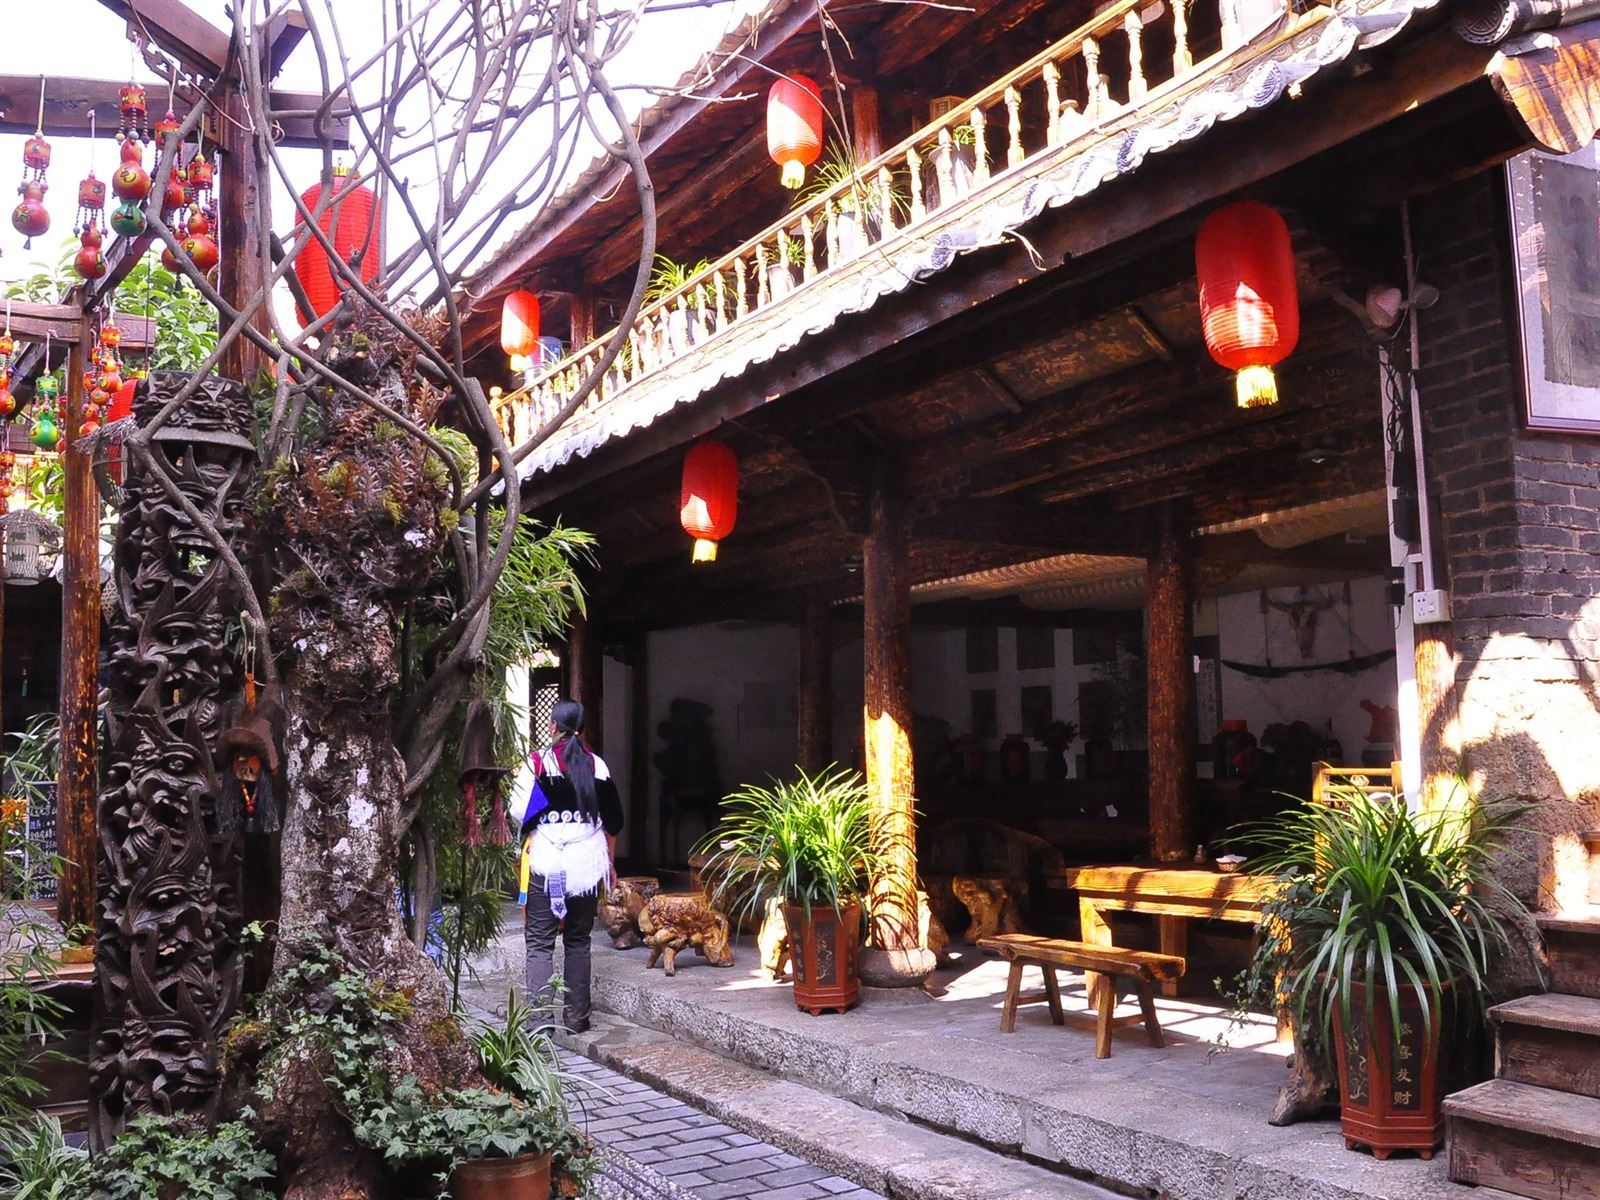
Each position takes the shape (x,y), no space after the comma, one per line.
(877,1151)
(1528,1141)
(1550,1041)
(1572,950)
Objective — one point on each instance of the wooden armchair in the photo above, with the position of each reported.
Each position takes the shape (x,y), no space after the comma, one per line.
(1374,781)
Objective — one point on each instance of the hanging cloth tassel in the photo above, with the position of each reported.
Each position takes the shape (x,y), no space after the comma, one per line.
(471,832)
(499,834)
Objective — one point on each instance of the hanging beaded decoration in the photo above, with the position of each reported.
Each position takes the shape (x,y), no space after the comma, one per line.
(89,262)
(30,218)
(131,183)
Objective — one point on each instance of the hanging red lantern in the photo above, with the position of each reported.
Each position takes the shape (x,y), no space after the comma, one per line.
(519,324)
(1249,306)
(709,502)
(356,239)
(794,127)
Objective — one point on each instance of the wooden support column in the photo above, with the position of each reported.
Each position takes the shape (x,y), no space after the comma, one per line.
(1170,597)
(814,741)
(244,267)
(887,649)
(581,325)
(585,675)
(639,751)
(1440,743)
(865,123)
(80,653)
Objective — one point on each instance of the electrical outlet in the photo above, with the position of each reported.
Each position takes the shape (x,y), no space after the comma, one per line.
(1430,608)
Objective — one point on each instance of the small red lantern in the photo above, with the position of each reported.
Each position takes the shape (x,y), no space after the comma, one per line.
(519,324)
(794,127)
(1249,306)
(709,501)
(356,239)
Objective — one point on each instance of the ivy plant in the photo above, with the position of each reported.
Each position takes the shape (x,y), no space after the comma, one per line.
(163,1156)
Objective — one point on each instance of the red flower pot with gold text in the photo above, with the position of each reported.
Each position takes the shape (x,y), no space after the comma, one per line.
(1389,1088)
(824,945)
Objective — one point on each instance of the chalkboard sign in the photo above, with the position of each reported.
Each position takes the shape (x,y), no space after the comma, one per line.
(42,844)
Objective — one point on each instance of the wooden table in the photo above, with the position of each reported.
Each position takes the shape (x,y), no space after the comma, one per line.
(1174,894)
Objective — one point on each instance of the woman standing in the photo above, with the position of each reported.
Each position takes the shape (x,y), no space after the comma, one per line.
(570,819)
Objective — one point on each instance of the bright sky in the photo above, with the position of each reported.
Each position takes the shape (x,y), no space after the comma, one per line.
(82,38)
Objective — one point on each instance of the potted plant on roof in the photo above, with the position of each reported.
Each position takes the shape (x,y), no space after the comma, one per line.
(808,842)
(1381,938)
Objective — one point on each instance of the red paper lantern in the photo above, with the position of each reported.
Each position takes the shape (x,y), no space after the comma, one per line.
(519,324)
(1249,306)
(709,501)
(794,127)
(355,238)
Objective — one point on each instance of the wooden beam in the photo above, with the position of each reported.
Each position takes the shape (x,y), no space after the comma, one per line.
(1005,523)
(176,29)
(1213,435)
(30,322)
(1554,88)
(69,101)
(1169,591)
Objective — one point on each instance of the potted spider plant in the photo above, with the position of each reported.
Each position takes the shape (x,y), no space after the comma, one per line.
(808,842)
(1382,933)
(667,277)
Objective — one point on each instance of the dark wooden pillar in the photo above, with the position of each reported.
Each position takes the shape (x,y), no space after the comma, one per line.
(814,743)
(639,751)
(581,324)
(1170,593)
(865,124)
(80,652)
(244,268)
(887,650)
(584,677)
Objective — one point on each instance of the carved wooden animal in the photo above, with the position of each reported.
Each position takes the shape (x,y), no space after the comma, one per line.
(992,903)
(621,908)
(671,923)
(773,939)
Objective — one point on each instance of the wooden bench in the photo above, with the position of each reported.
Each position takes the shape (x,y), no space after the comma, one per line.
(1106,964)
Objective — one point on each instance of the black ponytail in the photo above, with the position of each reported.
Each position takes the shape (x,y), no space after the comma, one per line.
(576,764)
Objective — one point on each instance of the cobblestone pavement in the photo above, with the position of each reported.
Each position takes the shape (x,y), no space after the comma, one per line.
(698,1155)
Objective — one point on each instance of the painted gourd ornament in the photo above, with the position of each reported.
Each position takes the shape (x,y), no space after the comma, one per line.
(127,219)
(8,402)
(131,181)
(45,435)
(30,217)
(201,251)
(89,262)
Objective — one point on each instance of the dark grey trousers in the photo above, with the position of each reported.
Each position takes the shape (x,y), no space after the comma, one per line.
(540,929)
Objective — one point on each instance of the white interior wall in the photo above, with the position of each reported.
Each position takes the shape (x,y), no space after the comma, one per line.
(1316,697)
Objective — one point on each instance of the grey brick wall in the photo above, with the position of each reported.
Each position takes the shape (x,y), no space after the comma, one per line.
(1520,516)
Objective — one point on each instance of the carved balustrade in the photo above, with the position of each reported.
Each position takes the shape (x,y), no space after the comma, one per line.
(1133,55)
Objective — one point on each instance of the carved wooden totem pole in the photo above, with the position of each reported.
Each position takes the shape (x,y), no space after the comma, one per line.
(167,937)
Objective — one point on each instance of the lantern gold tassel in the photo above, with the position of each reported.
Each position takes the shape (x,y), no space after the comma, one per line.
(705,550)
(1257,387)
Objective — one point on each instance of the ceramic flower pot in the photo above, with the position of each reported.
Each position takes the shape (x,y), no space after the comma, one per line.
(1389,1088)
(524,1178)
(823,948)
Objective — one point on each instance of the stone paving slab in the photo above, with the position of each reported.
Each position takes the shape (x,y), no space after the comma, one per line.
(656,1147)
(887,1154)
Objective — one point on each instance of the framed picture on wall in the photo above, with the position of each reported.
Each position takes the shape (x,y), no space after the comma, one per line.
(1555,212)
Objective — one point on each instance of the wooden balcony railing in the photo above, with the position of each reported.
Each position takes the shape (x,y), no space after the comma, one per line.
(1129,56)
